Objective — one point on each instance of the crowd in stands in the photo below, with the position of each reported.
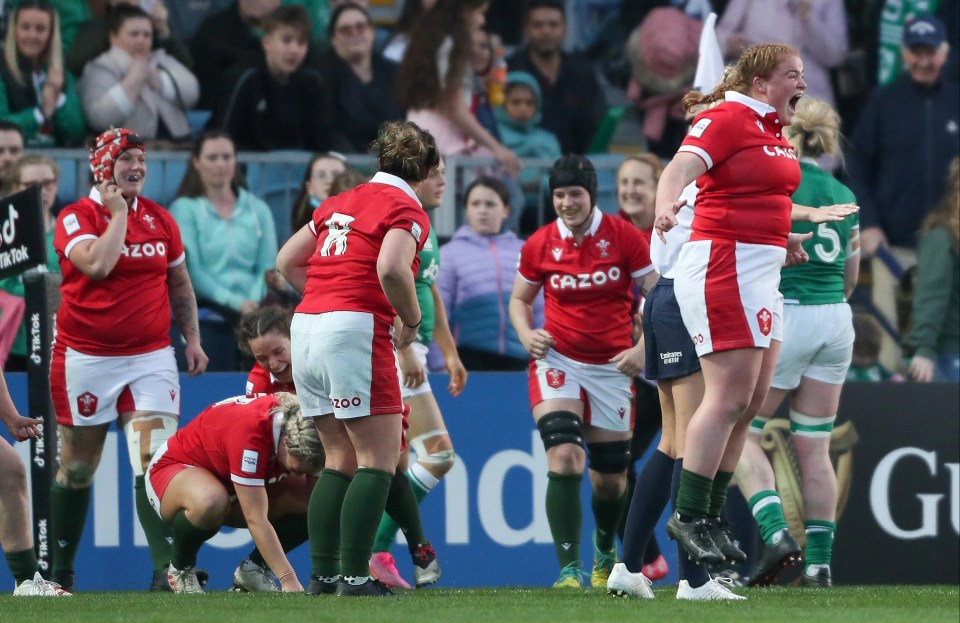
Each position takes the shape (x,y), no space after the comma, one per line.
(220,77)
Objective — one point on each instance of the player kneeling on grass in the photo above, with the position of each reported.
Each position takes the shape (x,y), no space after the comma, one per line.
(245,462)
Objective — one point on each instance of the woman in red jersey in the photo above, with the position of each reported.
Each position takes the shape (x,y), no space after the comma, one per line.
(727,275)
(124,275)
(355,263)
(240,463)
(583,359)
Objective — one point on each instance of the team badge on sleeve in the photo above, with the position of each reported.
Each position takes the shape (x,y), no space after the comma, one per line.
(70,224)
(699,127)
(248,463)
(416,231)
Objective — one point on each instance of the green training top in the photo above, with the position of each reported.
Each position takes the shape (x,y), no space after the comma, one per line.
(429,267)
(820,281)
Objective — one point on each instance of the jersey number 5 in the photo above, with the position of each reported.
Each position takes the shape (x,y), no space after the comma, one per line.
(338,226)
(827,247)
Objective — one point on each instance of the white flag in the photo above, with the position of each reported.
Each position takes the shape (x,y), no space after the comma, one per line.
(710,63)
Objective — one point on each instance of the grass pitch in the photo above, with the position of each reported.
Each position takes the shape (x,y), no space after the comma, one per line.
(868,604)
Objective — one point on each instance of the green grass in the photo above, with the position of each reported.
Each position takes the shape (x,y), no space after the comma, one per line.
(873,604)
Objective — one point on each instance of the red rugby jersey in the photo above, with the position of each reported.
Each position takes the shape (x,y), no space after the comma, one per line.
(128,313)
(587,287)
(752,172)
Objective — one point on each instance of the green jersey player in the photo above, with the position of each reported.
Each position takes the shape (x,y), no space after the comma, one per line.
(813,362)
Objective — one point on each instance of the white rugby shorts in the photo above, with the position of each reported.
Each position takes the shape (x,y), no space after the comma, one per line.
(817,344)
(89,390)
(607,394)
(728,294)
(344,363)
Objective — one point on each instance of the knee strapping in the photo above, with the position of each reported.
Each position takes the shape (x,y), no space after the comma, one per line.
(560,427)
(806,426)
(144,437)
(609,457)
(424,457)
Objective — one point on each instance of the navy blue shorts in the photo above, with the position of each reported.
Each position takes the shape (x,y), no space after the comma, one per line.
(669,350)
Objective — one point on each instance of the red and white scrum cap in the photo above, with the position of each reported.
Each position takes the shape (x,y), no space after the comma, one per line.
(108,148)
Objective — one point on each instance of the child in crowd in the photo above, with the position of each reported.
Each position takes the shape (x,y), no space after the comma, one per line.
(518,122)
(866,364)
(476,274)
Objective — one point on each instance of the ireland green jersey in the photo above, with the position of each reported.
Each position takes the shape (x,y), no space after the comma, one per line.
(820,281)
(429,267)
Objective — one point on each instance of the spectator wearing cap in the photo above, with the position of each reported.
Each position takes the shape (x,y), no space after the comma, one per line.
(902,146)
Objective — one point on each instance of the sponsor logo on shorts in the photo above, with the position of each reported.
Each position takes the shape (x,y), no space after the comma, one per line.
(556,378)
(87,404)
(765,320)
(248,463)
(173,394)
(673,357)
(622,411)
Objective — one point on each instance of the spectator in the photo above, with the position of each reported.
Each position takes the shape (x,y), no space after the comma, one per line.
(360,80)
(573,102)
(35,93)
(475,278)
(134,86)
(895,180)
(934,330)
(315,187)
(32,170)
(11,148)
(93,37)
(817,28)
(231,243)
(226,43)
(280,104)
(518,122)
(663,53)
(435,82)
(72,14)
(396,45)
(866,366)
(187,15)
(901,149)
(637,180)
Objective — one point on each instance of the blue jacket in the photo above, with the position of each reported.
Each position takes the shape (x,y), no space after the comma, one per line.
(901,152)
(528,139)
(475,281)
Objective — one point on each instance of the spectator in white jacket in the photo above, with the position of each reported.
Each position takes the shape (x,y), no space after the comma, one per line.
(135,87)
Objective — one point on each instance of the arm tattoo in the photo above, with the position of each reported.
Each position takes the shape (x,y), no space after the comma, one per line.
(183,302)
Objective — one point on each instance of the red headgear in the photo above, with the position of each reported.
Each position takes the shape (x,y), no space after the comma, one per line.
(108,148)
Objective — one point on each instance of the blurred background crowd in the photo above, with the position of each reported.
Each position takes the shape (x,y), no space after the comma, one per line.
(255,111)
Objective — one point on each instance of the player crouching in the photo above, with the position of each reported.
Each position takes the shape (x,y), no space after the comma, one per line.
(245,462)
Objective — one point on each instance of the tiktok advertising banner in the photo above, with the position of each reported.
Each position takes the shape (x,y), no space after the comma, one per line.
(22,238)
(897,460)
